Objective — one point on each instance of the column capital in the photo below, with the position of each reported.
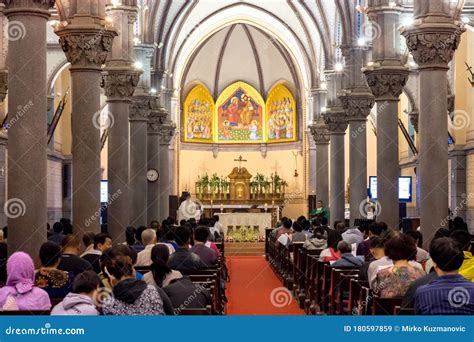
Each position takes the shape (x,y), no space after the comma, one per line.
(3,84)
(433,44)
(357,105)
(86,48)
(141,107)
(156,118)
(336,121)
(320,132)
(34,7)
(386,82)
(119,84)
(167,131)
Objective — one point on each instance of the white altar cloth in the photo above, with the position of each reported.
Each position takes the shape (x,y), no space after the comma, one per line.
(262,220)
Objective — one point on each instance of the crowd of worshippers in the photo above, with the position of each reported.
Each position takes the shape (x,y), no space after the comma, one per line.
(394,264)
(87,274)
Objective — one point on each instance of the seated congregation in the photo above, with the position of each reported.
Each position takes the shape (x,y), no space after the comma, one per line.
(162,270)
(373,269)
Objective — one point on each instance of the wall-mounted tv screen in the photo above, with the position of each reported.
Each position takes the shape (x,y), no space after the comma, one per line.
(404,188)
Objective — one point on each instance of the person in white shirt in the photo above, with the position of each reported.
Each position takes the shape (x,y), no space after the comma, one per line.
(188,209)
(217,228)
(149,241)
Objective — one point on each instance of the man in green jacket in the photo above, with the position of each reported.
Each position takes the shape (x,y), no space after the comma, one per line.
(320,211)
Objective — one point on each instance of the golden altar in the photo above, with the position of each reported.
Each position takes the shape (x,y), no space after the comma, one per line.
(240,192)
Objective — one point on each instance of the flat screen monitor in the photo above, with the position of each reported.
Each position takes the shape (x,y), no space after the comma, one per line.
(104,191)
(404,188)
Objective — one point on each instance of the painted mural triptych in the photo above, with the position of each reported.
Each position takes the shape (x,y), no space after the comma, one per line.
(240,115)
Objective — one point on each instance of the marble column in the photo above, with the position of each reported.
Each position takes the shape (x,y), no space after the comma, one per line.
(387,84)
(119,81)
(336,122)
(87,45)
(386,76)
(320,135)
(357,106)
(155,120)
(139,112)
(167,131)
(142,105)
(27,152)
(432,40)
(119,84)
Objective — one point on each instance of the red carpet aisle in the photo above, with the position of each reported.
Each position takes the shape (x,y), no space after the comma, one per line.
(255,290)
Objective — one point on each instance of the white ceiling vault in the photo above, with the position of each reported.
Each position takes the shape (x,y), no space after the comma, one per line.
(296,38)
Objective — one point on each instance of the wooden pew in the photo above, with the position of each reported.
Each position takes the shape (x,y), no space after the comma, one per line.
(339,289)
(314,270)
(195,312)
(400,311)
(385,306)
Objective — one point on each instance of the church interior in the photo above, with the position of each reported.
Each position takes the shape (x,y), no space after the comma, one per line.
(308,138)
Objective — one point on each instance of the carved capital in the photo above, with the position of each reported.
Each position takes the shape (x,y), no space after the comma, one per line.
(357,106)
(3,84)
(386,83)
(119,84)
(320,132)
(40,7)
(156,118)
(433,45)
(86,48)
(336,120)
(167,131)
(141,107)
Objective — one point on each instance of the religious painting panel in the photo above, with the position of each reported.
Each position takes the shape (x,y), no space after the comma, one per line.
(240,115)
(280,115)
(198,115)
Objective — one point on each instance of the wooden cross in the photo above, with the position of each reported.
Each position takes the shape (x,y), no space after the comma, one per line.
(240,160)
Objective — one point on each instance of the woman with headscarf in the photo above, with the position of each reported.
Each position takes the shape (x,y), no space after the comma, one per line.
(20,293)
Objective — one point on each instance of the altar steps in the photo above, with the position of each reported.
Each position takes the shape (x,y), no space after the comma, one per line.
(244,248)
